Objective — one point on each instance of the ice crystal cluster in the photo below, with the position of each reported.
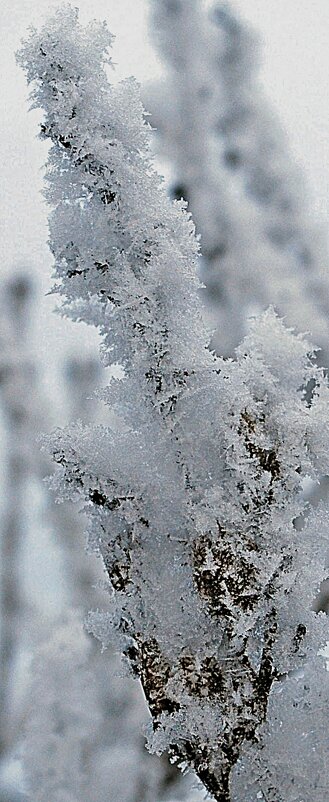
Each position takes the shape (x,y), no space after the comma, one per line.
(231,163)
(192,495)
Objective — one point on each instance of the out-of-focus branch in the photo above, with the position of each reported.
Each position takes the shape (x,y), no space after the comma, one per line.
(16,392)
(231,163)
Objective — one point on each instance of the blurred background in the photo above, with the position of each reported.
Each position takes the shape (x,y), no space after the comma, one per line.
(49,369)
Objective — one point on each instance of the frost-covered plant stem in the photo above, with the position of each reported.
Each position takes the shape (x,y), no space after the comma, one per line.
(192,496)
(117,733)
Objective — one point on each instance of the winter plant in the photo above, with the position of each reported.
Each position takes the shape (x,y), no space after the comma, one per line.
(194,490)
(95,750)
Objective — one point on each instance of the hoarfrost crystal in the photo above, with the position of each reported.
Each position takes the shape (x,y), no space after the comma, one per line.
(193,495)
